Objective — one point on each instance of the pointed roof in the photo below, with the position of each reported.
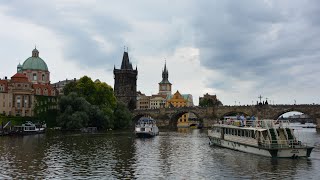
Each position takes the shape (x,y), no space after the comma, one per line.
(126,62)
(165,75)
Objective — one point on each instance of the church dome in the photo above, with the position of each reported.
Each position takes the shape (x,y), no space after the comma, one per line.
(34,62)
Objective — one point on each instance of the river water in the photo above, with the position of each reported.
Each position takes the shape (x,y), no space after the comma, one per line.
(181,154)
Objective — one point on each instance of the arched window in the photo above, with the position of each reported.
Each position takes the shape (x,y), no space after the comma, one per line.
(34,77)
(43,76)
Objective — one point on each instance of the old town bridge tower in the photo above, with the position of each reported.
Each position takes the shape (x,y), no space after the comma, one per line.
(125,82)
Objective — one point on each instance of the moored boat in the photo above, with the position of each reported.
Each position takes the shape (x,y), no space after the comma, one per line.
(146,127)
(27,128)
(271,138)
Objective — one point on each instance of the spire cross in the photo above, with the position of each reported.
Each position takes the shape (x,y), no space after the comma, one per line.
(260,97)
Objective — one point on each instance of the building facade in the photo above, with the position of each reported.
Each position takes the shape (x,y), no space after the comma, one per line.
(181,100)
(157,101)
(125,83)
(143,101)
(27,89)
(61,84)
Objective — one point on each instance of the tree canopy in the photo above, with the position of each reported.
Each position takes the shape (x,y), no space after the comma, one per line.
(87,103)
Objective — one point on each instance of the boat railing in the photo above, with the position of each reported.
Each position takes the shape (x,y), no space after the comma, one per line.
(256,123)
(283,144)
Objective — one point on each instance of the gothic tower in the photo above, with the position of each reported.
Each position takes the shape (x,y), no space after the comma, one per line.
(125,82)
(165,85)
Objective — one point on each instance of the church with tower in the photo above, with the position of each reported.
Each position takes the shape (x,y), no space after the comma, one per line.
(29,91)
(165,85)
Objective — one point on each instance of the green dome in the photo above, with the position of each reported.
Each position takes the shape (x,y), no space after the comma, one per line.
(34,62)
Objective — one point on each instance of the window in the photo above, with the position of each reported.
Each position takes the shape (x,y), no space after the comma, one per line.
(34,76)
(43,77)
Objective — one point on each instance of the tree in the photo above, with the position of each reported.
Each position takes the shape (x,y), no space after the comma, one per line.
(209,103)
(97,101)
(73,112)
(122,116)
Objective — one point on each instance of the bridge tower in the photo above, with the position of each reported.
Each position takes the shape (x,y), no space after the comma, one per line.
(125,82)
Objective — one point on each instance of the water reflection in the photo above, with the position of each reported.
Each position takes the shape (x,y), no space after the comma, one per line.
(180,154)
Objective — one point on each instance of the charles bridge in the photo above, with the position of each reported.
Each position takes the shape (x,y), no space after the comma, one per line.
(168,117)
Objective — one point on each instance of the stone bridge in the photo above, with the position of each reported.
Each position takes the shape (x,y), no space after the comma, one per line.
(168,117)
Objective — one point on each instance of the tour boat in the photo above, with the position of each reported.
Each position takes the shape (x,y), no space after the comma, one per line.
(271,138)
(146,127)
(28,128)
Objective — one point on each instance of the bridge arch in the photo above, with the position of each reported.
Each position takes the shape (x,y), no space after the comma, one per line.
(136,117)
(175,117)
(284,111)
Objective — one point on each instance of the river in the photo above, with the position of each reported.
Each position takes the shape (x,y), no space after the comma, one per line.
(181,154)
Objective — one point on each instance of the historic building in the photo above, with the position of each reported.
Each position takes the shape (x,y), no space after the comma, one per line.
(61,84)
(125,82)
(165,85)
(143,101)
(158,101)
(209,100)
(29,90)
(181,100)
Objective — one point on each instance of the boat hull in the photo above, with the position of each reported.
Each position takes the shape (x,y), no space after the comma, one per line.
(268,152)
(145,135)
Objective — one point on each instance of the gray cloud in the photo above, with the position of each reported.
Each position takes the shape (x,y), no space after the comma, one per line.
(252,36)
(271,43)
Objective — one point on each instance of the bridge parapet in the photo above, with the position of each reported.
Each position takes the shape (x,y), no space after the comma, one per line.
(217,112)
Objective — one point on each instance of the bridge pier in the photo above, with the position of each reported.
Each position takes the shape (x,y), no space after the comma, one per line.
(208,122)
(318,123)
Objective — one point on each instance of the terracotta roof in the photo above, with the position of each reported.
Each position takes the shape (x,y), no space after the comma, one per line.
(19,77)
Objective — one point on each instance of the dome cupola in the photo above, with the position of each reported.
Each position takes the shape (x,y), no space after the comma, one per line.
(34,62)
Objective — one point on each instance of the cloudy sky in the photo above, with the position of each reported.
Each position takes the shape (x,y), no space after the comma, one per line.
(234,49)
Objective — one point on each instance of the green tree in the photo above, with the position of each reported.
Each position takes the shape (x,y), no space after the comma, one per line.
(73,112)
(122,116)
(101,107)
(209,103)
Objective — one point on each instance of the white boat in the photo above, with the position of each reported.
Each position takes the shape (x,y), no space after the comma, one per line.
(28,128)
(271,138)
(146,127)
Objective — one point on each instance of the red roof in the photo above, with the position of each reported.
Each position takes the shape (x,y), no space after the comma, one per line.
(19,77)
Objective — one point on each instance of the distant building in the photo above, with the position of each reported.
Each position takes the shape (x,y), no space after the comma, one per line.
(165,85)
(209,100)
(61,84)
(157,101)
(28,91)
(125,82)
(181,100)
(143,101)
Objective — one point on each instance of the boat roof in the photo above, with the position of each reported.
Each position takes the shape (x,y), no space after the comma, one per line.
(239,127)
(145,119)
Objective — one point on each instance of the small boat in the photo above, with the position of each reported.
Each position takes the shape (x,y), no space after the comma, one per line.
(146,127)
(271,138)
(27,128)
(309,126)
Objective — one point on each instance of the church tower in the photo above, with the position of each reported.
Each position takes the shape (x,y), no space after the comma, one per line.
(125,82)
(165,85)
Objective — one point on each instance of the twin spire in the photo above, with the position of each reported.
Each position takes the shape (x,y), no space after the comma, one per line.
(126,64)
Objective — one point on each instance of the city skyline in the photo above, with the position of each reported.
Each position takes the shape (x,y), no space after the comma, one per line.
(236,50)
